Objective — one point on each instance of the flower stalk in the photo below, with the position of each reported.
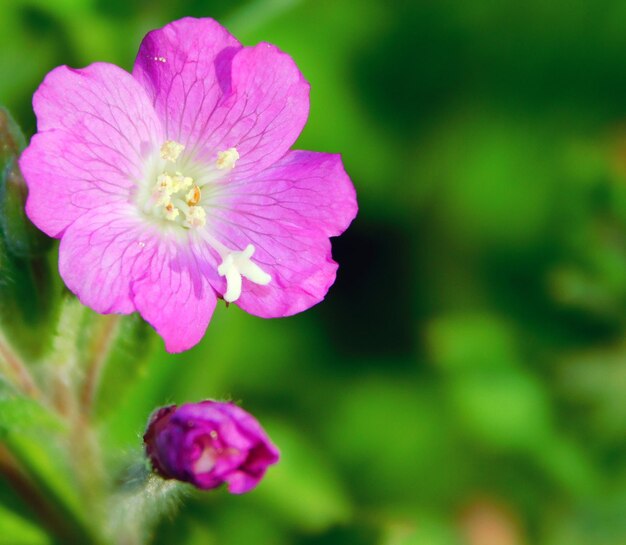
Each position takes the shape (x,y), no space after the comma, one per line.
(17,371)
(100,350)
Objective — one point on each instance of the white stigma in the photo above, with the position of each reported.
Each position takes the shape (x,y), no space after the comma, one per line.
(237,265)
(171,150)
(227,159)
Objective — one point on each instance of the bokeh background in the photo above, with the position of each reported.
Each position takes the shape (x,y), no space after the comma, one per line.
(464,383)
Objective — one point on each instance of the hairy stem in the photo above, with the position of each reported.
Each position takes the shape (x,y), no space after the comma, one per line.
(100,350)
(17,370)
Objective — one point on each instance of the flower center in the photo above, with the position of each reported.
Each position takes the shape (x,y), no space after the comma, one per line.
(178,191)
(175,197)
(207,460)
(174,192)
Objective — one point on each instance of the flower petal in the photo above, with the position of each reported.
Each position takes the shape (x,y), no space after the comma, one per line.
(116,262)
(175,297)
(240,482)
(185,67)
(305,188)
(265,112)
(101,253)
(95,127)
(287,212)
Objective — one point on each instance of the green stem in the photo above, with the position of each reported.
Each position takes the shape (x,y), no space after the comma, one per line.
(17,370)
(100,349)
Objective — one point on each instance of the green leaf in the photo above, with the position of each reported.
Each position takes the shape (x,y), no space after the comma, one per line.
(25,416)
(46,462)
(20,530)
(41,444)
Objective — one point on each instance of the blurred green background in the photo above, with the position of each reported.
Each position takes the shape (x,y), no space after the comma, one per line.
(464,383)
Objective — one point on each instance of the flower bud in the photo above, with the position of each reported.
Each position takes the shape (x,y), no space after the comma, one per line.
(22,238)
(207,444)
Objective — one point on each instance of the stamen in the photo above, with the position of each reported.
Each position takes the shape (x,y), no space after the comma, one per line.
(177,198)
(171,150)
(227,159)
(171,212)
(180,182)
(162,198)
(237,265)
(163,190)
(195,217)
(165,183)
(193,197)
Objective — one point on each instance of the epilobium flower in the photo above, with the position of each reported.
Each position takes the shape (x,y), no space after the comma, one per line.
(175,185)
(207,444)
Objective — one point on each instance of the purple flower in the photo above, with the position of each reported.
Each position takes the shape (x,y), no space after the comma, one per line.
(175,185)
(209,443)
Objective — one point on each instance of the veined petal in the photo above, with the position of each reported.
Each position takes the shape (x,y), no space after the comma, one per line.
(265,112)
(287,212)
(114,262)
(96,126)
(102,252)
(301,267)
(185,67)
(305,188)
(66,177)
(175,297)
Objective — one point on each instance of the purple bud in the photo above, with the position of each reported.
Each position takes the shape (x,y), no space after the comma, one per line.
(207,444)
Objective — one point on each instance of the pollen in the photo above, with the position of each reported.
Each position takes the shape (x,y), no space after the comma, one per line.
(227,159)
(195,216)
(165,183)
(180,182)
(171,150)
(193,197)
(163,199)
(175,197)
(171,212)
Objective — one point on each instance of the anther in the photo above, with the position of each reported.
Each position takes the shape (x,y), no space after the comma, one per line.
(227,159)
(195,217)
(171,150)
(193,197)
(171,212)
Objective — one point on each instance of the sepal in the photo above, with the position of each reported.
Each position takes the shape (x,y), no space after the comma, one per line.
(26,281)
(21,237)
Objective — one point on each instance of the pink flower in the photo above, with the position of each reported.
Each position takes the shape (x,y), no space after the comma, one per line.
(208,444)
(175,185)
